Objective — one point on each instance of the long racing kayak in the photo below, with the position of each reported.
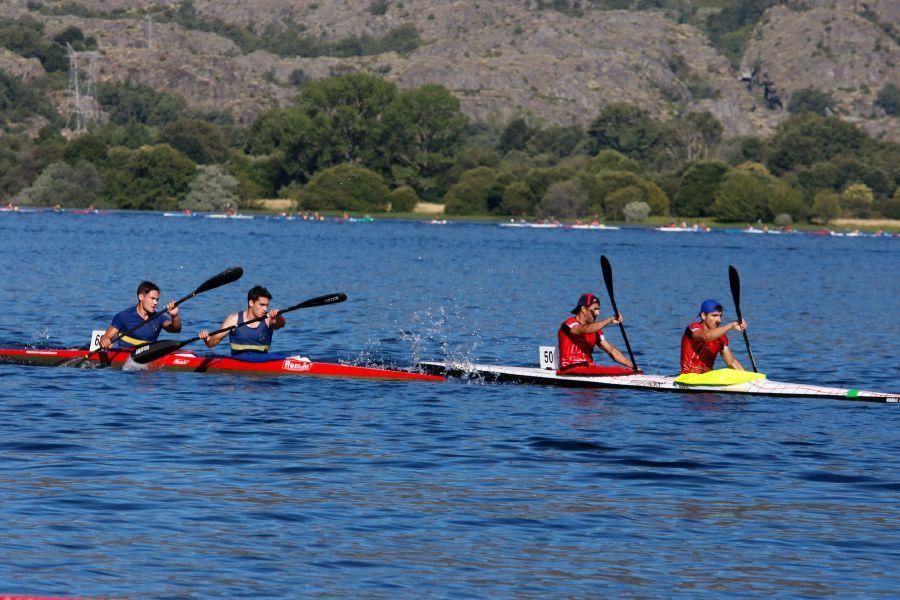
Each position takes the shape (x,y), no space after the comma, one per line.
(759,387)
(188,361)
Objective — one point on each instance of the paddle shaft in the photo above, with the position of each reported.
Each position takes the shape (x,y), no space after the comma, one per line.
(608,280)
(154,350)
(735,281)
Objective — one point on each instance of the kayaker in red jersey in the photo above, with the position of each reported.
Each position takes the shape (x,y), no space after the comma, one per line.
(253,338)
(703,340)
(578,335)
(141,324)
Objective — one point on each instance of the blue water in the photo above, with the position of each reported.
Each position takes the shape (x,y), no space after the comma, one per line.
(167,485)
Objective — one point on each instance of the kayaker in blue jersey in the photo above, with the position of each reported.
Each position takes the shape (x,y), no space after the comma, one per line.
(141,324)
(256,337)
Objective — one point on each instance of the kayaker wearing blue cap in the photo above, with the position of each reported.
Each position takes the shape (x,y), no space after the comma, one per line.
(578,335)
(253,338)
(703,340)
(141,324)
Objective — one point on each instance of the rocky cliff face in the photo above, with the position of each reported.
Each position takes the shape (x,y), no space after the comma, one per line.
(503,58)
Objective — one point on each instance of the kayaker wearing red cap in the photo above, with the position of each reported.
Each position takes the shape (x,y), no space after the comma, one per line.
(703,340)
(578,335)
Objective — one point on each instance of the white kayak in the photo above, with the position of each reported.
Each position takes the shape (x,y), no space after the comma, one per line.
(759,387)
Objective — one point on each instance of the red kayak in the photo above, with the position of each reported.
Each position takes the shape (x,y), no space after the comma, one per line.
(188,361)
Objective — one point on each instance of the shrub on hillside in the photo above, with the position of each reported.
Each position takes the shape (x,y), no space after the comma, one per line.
(345,187)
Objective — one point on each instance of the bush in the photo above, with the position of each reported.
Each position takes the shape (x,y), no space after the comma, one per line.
(890,208)
(826,205)
(742,197)
(611,160)
(564,199)
(64,185)
(516,199)
(211,189)
(783,219)
(888,99)
(811,100)
(636,212)
(469,196)
(787,201)
(697,188)
(404,199)
(857,199)
(345,187)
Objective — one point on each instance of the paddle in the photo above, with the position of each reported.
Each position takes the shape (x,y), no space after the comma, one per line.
(154,350)
(225,277)
(735,280)
(608,280)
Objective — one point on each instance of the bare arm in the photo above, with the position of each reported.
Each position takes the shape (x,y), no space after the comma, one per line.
(173,326)
(579,329)
(730,360)
(213,340)
(707,335)
(615,354)
(108,336)
(275,320)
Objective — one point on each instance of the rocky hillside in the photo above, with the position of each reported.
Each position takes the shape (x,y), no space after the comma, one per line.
(503,58)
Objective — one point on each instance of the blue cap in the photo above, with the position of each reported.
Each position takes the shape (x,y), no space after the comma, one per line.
(711,305)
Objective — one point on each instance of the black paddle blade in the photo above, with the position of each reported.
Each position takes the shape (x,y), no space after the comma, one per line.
(225,277)
(608,280)
(735,280)
(147,353)
(320,301)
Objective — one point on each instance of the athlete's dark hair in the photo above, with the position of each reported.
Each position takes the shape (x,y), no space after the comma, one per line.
(146,286)
(257,292)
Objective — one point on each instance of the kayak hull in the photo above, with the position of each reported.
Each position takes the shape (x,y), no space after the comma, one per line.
(760,387)
(188,361)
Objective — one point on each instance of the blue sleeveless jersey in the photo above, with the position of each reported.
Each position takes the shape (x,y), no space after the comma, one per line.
(147,331)
(246,339)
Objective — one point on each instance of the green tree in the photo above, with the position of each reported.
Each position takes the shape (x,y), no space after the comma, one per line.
(611,160)
(87,147)
(515,135)
(149,178)
(557,141)
(129,102)
(636,212)
(826,205)
(63,184)
(742,197)
(347,116)
(857,199)
(202,142)
(404,199)
(423,130)
(279,129)
(890,208)
(784,199)
(604,185)
(811,100)
(345,187)
(626,128)
(469,196)
(211,189)
(807,138)
(697,188)
(564,199)
(517,199)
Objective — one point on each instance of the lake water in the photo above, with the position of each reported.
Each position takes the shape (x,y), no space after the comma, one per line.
(187,485)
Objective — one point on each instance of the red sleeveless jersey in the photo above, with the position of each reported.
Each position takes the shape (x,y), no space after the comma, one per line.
(576,349)
(698,356)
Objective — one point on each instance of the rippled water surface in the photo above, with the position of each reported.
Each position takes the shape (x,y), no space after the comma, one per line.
(188,485)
